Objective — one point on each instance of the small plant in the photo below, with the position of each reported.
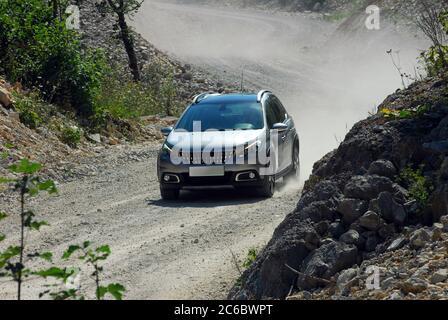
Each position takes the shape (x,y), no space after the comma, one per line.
(92,257)
(251,257)
(71,136)
(29,184)
(418,186)
(404,113)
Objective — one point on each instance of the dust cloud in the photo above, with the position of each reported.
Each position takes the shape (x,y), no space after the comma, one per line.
(327,79)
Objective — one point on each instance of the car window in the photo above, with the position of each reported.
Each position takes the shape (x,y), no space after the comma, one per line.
(223,116)
(271,115)
(280,111)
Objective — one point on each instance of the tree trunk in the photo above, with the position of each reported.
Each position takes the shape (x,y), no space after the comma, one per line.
(129,46)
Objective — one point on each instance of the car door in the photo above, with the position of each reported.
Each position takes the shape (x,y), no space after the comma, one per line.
(286,137)
(274,115)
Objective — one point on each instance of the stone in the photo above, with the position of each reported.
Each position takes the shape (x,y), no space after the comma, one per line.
(387,283)
(387,231)
(444,222)
(439,276)
(397,244)
(351,237)
(96,137)
(437,231)
(322,227)
(390,210)
(324,262)
(5,97)
(352,209)
(367,187)
(396,296)
(371,243)
(383,168)
(336,229)
(371,221)
(419,238)
(345,280)
(413,285)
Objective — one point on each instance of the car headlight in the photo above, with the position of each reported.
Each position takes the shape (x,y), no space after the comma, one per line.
(166,148)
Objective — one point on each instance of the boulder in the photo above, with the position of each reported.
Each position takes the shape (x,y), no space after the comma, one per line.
(96,137)
(352,209)
(383,168)
(367,187)
(371,243)
(390,210)
(336,229)
(371,221)
(413,285)
(444,222)
(351,237)
(346,280)
(325,262)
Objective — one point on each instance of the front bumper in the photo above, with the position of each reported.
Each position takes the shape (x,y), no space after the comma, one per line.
(231,173)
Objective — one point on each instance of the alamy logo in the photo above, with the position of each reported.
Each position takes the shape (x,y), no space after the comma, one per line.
(373,19)
(373,280)
(73,20)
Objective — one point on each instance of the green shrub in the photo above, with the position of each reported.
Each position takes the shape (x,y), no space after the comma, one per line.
(418,186)
(251,257)
(39,51)
(71,136)
(28,106)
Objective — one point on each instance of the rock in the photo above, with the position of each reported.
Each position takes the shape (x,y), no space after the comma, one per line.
(413,285)
(437,231)
(345,280)
(387,283)
(5,98)
(383,168)
(14,115)
(371,221)
(352,209)
(439,276)
(390,210)
(325,262)
(397,244)
(396,296)
(96,137)
(351,237)
(419,238)
(371,243)
(322,227)
(367,187)
(387,231)
(444,222)
(336,229)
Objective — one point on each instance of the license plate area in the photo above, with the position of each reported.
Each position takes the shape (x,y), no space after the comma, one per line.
(206,171)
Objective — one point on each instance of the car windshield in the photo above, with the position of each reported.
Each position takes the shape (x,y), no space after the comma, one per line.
(223,116)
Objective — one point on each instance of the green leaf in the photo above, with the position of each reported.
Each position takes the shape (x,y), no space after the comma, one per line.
(3,215)
(6,180)
(116,290)
(54,272)
(25,167)
(86,244)
(8,254)
(48,256)
(48,186)
(103,249)
(101,292)
(9,145)
(71,249)
(36,225)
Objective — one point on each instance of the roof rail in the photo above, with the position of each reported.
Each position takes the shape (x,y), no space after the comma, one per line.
(261,93)
(203,96)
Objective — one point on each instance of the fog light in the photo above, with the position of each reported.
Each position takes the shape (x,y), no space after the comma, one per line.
(252,175)
(166,178)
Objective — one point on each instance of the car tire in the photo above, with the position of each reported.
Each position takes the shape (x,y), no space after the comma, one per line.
(294,175)
(268,188)
(169,194)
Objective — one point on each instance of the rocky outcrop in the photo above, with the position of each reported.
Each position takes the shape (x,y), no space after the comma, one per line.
(358,204)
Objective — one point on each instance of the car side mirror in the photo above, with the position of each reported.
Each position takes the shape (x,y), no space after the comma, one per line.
(280,127)
(166,131)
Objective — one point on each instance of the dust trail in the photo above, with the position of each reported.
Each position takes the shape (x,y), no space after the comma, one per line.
(326,80)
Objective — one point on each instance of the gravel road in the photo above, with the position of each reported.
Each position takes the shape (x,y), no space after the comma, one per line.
(160,249)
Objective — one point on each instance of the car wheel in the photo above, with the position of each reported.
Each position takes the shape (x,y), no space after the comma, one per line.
(294,175)
(169,194)
(268,188)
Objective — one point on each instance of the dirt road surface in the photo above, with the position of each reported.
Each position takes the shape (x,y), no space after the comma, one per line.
(160,249)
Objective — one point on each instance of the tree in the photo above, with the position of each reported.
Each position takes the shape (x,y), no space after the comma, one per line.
(121,8)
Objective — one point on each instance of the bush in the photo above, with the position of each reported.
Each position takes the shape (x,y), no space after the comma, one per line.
(39,51)
(28,106)
(418,186)
(71,136)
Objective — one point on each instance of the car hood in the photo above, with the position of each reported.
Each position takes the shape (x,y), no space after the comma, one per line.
(213,139)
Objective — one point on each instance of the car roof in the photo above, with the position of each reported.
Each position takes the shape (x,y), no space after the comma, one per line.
(228,98)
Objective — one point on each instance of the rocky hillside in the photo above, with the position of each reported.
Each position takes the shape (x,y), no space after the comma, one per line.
(376,200)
